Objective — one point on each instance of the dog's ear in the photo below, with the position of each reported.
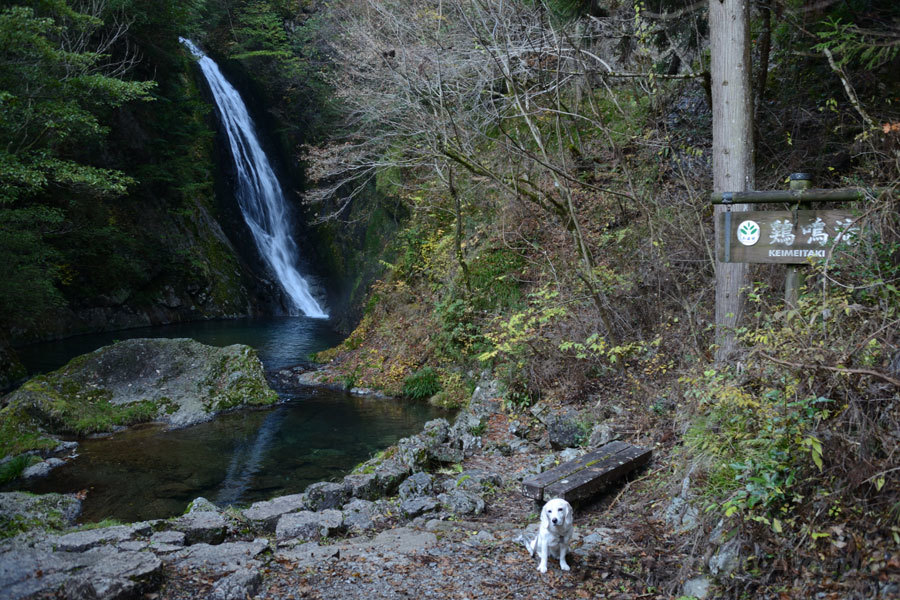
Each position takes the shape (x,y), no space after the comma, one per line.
(545,518)
(570,515)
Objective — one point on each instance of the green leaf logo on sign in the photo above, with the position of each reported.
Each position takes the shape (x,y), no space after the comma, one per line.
(748,233)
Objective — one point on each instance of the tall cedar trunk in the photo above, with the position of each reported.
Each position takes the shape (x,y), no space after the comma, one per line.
(733,169)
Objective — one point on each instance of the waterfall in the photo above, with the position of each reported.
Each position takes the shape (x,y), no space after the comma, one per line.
(259,194)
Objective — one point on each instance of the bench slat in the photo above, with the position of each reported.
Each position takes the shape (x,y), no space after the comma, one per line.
(534,488)
(589,481)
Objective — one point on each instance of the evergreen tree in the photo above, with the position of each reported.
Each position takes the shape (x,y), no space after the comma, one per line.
(61,71)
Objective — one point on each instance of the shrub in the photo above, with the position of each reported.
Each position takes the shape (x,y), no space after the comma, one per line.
(454,393)
(13,468)
(761,446)
(422,384)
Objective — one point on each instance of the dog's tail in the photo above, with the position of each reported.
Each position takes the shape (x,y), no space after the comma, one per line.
(529,543)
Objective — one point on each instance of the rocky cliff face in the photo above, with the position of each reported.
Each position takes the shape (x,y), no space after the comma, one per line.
(174,247)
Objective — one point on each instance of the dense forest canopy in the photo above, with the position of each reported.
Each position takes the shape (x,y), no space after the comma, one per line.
(108,165)
(94,122)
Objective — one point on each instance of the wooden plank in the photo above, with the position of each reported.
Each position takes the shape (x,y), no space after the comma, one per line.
(793,196)
(534,487)
(591,480)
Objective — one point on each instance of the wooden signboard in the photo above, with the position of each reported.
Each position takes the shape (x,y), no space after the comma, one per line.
(784,236)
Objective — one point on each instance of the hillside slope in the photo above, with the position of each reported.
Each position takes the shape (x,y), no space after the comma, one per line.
(557,172)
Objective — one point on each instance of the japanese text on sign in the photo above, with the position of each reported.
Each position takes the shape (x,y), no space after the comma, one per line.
(784,236)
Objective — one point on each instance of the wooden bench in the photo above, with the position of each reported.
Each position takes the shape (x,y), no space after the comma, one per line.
(579,479)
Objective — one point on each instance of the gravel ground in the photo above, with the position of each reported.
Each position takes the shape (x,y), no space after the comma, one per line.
(617,554)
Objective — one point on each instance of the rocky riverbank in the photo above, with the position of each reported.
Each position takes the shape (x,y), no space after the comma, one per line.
(439,515)
(439,511)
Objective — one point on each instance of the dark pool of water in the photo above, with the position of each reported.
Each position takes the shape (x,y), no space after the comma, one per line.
(241,457)
(280,341)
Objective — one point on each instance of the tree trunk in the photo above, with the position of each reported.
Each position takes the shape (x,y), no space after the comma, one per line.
(458,237)
(733,168)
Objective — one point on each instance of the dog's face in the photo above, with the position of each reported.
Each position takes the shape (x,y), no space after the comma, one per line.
(557,513)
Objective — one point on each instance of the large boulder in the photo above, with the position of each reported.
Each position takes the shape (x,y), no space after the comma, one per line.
(326,494)
(418,506)
(566,430)
(220,559)
(80,541)
(308,525)
(177,381)
(363,486)
(265,514)
(387,472)
(433,446)
(360,515)
(201,527)
(418,484)
(102,572)
(243,583)
(460,502)
(475,481)
(21,511)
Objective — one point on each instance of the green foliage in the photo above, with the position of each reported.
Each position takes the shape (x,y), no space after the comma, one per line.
(279,48)
(52,520)
(513,343)
(595,348)
(30,267)
(512,335)
(460,336)
(19,433)
(44,405)
(454,392)
(349,379)
(52,100)
(82,411)
(102,524)
(57,91)
(260,34)
(493,277)
(422,384)
(759,447)
(12,469)
(853,44)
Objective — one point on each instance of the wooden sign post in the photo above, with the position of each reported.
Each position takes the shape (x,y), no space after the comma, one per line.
(791,236)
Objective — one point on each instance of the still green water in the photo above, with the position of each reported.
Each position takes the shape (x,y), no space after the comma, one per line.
(316,434)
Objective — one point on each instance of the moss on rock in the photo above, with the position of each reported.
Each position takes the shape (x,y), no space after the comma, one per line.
(22,511)
(176,381)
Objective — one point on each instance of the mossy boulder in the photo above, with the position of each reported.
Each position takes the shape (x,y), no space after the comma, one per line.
(177,381)
(21,511)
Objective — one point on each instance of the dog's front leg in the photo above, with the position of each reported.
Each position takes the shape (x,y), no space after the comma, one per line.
(562,556)
(543,552)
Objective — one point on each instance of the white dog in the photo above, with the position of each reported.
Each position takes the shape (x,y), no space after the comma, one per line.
(557,526)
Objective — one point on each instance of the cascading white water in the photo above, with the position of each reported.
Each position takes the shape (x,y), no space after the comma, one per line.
(259,194)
